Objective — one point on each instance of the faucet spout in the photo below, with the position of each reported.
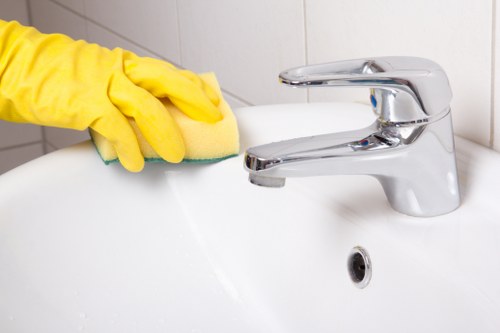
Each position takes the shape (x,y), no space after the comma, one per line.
(415,163)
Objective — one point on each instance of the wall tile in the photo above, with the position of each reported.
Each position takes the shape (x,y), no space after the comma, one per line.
(62,137)
(49,17)
(12,134)
(104,37)
(247,43)
(149,23)
(14,10)
(454,33)
(233,101)
(11,158)
(49,148)
(76,5)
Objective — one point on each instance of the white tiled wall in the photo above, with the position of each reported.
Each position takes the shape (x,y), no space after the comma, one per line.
(247,43)
(152,22)
(455,34)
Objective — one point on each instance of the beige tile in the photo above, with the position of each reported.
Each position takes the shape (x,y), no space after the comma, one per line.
(455,34)
(246,43)
(49,17)
(12,158)
(149,23)
(12,134)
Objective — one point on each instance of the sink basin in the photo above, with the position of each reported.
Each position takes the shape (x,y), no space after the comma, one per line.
(197,248)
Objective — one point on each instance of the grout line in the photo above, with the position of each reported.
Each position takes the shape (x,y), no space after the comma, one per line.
(306,44)
(22,145)
(84,7)
(493,75)
(178,30)
(30,15)
(56,2)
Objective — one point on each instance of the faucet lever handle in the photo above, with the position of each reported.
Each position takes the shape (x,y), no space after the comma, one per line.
(403,89)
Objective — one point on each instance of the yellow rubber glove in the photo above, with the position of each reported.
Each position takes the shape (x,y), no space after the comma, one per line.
(52,80)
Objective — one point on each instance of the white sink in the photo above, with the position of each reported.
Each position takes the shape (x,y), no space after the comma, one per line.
(197,248)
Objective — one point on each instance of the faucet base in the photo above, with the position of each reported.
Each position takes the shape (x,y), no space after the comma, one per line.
(414,199)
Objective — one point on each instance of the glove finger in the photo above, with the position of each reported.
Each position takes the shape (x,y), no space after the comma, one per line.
(116,129)
(161,80)
(153,119)
(207,89)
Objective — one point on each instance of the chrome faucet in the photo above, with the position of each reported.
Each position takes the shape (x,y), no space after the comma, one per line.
(409,148)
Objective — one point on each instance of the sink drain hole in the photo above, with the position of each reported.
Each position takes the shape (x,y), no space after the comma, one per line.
(359,267)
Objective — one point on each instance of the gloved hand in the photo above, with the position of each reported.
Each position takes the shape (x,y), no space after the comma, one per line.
(52,80)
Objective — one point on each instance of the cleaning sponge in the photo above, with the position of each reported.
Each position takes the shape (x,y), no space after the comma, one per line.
(204,142)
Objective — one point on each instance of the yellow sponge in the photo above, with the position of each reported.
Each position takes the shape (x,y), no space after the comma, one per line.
(204,142)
